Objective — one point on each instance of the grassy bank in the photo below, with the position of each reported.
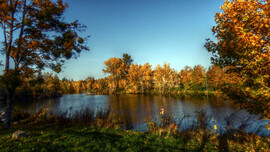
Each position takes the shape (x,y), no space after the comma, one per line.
(102,133)
(104,139)
(173,92)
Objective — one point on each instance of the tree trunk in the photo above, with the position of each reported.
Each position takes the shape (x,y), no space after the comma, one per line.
(7,61)
(10,93)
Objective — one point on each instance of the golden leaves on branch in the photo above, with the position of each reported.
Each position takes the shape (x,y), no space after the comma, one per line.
(242,31)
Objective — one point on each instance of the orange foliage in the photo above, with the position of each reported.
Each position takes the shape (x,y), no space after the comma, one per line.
(36,35)
(116,68)
(165,78)
(242,30)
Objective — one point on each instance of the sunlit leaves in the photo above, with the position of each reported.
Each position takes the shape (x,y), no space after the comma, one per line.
(134,77)
(35,32)
(165,78)
(219,78)
(193,78)
(139,78)
(116,68)
(242,32)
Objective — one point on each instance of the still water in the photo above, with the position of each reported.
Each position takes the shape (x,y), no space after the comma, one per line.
(135,110)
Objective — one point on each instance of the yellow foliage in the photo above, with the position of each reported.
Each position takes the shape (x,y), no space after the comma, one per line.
(242,30)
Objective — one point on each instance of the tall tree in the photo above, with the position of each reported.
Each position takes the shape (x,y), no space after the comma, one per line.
(36,36)
(164,78)
(116,68)
(146,78)
(127,61)
(133,78)
(185,77)
(198,76)
(243,42)
(139,78)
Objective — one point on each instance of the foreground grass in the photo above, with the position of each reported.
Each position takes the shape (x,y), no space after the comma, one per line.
(87,131)
(87,139)
(105,139)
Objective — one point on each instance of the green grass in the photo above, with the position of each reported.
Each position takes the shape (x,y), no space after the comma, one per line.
(105,139)
(87,139)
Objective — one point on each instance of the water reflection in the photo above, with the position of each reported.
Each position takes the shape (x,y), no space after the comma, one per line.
(135,110)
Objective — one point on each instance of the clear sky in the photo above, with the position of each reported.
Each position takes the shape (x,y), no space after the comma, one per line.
(154,31)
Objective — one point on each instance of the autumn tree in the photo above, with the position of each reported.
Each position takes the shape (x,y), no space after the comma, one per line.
(89,83)
(36,36)
(64,84)
(243,42)
(221,78)
(71,89)
(79,86)
(115,67)
(146,78)
(185,77)
(127,61)
(100,86)
(159,78)
(164,78)
(198,78)
(51,85)
(133,78)
(215,76)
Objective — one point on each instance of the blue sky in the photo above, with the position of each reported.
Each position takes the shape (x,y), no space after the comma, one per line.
(154,31)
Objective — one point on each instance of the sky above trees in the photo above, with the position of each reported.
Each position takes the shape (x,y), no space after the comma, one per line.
(154,31)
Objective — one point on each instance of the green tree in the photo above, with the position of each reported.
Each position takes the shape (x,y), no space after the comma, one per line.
(127,61)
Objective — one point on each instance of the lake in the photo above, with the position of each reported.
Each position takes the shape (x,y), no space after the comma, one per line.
(135,110)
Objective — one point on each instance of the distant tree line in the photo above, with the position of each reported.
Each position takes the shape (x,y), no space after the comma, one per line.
(125,77)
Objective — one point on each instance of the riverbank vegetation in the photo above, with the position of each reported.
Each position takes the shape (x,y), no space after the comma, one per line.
(102,132)
(133,79)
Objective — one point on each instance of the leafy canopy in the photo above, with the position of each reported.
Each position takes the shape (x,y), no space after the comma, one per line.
(36,34)
(242,31)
